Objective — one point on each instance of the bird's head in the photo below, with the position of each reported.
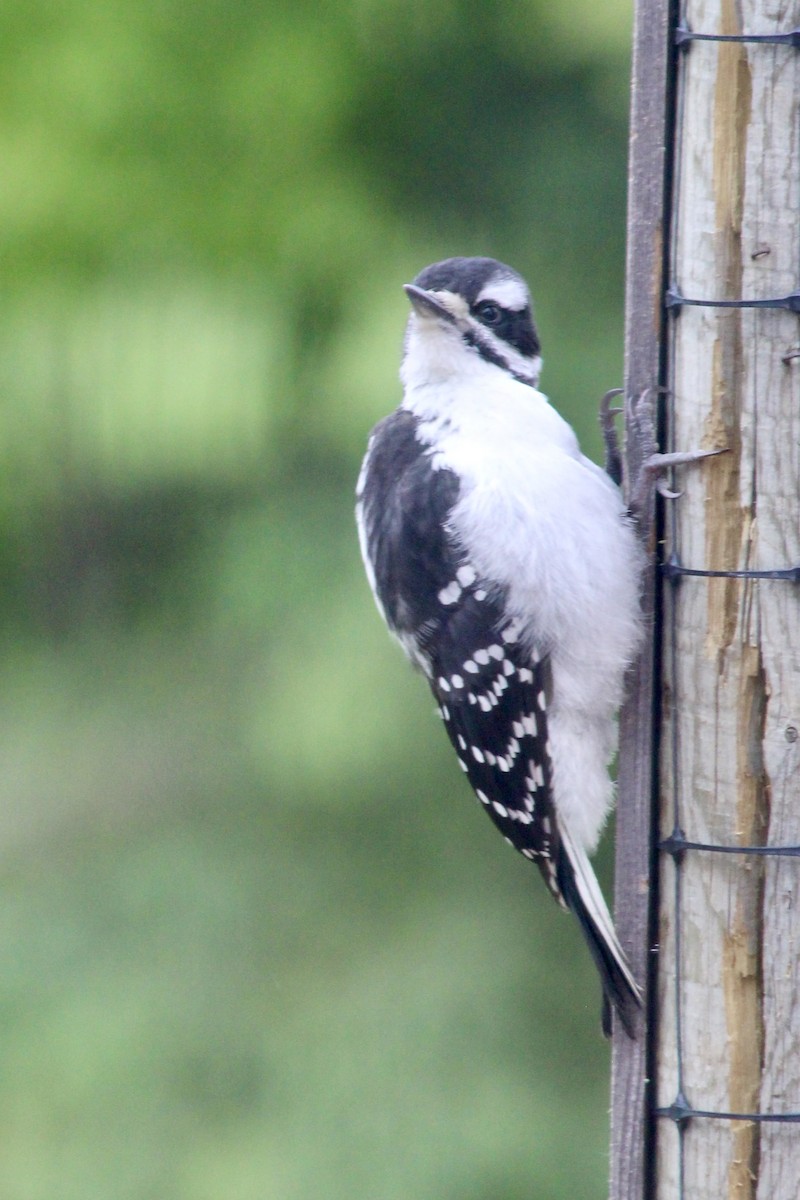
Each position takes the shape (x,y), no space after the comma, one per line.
(466,310)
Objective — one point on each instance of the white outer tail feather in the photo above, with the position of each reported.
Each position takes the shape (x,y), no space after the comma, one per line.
(594,902)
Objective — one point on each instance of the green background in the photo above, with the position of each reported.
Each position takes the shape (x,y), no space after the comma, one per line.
(258,941)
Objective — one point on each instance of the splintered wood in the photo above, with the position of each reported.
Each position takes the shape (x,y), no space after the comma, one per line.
(735,711)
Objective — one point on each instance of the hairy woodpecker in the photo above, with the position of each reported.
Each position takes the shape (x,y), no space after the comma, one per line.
(508,567)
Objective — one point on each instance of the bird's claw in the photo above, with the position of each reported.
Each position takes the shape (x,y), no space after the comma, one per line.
(613,463)
(655,465)
(640,424)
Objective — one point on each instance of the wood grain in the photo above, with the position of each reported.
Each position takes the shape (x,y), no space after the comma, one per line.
(737,651)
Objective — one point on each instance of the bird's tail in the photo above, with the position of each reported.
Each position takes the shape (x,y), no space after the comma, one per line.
(583,897)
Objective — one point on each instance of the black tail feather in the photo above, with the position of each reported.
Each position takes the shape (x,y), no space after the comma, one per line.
(619,989)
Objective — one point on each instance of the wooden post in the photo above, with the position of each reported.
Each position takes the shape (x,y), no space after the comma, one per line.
(733,768)
(631,1128)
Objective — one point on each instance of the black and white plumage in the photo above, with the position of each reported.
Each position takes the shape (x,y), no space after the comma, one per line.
(506,564)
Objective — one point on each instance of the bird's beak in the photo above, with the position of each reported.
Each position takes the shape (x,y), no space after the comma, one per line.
(427,304)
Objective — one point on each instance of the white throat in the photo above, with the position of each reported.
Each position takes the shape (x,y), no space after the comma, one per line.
(436,352)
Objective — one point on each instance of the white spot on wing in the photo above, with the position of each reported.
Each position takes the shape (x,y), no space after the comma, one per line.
(451,594)
(466,575)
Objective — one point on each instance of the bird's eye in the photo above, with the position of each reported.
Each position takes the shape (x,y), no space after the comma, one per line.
(489,314)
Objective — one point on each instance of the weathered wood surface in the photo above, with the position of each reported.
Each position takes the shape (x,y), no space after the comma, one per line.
(630,1128)
(737,655)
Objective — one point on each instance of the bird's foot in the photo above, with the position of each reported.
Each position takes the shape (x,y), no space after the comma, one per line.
(640,427)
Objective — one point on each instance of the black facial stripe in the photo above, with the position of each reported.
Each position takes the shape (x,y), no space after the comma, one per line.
(518,330)
(490,354)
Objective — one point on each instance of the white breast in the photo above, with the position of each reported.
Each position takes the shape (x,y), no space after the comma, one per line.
(537,517)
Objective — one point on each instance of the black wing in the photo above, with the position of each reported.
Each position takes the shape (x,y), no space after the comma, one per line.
(492,692)
(493,695)
(402,512)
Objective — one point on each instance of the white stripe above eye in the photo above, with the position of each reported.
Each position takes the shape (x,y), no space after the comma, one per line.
(507,292)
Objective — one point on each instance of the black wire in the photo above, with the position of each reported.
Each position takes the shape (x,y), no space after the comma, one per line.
(675,300)
(672,602)
(684,36)
(680,1112)
(672,568)
(676,844)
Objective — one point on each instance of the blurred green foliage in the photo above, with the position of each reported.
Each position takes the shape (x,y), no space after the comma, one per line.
(257,939)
